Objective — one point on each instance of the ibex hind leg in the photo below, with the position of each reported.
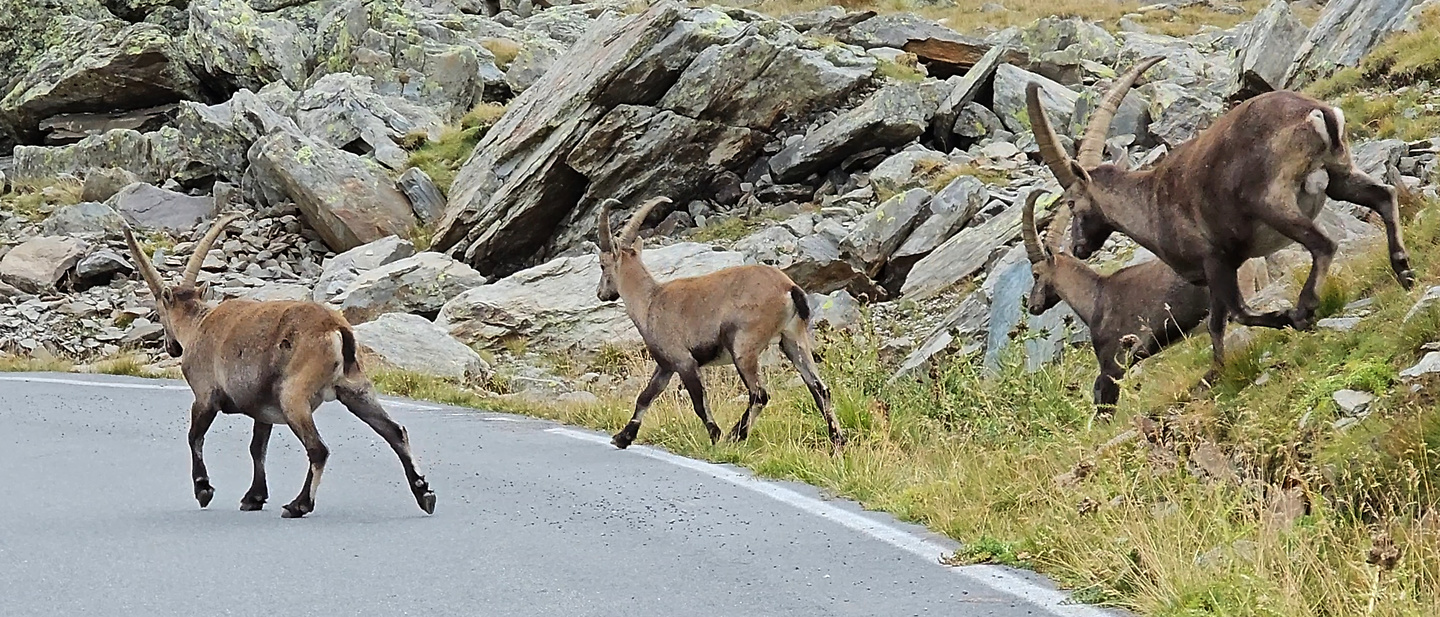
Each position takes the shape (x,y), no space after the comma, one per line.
(362,401)
(1284,216)
(296,404)
(797,348)
(1356,187)
(259,492)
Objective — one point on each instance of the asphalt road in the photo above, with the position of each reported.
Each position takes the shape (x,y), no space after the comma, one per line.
(97,517)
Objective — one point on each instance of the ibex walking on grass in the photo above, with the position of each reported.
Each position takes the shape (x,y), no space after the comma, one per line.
(273,361)
(1132,314)
(732,314)
(1246,187)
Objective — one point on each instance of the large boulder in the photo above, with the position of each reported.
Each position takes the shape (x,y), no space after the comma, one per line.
(813,261)
(151,207)
(341,109)
(151,157)
(346,201)
(234,46)
(420,284)
(426,200)
(1179,114)
(950,211)
(1267,48)
(1345,32)
(103,65)
(880,232)
(23,31)
(553,306)
(414,343)
(893,116)
(222,134)
(962,255)
(1057,100)
(83,218)
(342,270)
(38,264)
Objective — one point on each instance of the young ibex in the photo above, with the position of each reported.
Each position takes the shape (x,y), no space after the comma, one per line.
(733,314)
(273,361)
(1246,187)
(1132,314)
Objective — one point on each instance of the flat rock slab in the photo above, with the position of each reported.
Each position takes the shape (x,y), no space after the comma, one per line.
(37,265)
(151,207)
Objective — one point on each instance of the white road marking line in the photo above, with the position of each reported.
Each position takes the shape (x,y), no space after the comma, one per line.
(1052,601)
(165,386)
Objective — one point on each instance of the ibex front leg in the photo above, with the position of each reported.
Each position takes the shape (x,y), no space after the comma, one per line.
(202,415)
(259,492)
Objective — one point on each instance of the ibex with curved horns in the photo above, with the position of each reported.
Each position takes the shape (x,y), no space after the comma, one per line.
(1245,187)
(273,361)
(733,314)
(1132,313)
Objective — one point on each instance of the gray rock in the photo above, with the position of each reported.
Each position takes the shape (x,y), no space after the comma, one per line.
(950,211)
(342,270)
(659,66)
(960,333)
(1010,81)
(879,233)
(101,263)
(1345,32)
(83,218)
(962,97)
(1426,301)
(905,170)
(152,157)
(1412,22)
(1268,46)
(961,256)
(1069,39)
(1338,324)
(421,284)
(151,207)
(838,310)
(413,343)
(976,121)
(896,114)
(342,110)
(24,29)
(425,198)
(1184,65)
(1353,402)
(1133,117)
(222,134)
(38,264)
(271,292)
(1378,157)
(235,46)
(104,65)
(1178,113)
(346,201)
(754,83)
(102,184)
(897,29)
(814,261)
(772,246)
(1428,365)
(553,306)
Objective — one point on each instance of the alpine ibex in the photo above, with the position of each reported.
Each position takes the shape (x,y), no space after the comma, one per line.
(733,314)
(1246,187)
(273,361)
(1132,314)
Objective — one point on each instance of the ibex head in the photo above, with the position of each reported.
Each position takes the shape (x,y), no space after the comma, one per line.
(615,251)
(1043,294)
(182,304)
(1091,229)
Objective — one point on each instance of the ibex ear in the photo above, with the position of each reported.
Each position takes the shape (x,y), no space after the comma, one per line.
(167,296)
(1080,174)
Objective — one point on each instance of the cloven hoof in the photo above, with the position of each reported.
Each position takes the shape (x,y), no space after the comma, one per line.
(204,496)
(427,502)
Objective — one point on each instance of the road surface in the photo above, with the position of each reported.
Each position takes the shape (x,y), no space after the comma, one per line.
(97,517)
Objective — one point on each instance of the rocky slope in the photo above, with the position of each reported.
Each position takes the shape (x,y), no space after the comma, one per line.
(878,159)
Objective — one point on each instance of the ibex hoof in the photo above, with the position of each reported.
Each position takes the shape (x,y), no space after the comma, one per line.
(737,434)
(204,494)
(1407,278)
(252,504)
(426,501)
(293,511)
(714,435)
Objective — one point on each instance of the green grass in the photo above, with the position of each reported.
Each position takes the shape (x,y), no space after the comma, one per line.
(35,202)
(1384,97)
(442,158)
(904,69)
(729,228)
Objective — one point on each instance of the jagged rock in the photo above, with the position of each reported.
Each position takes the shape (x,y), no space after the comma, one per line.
(342,270)
(1346,30)
(658,67)
(101,264)
(635,152)
(425,198)
(102,184)
(139,10)
(950,211)
(65,129)
(150,207)
(1339,324)
(906,170)
(1268,45)
(1431,296)
(234,46)
(340,109)
(270,292)
(104,65)
(1183,66)
(152,157)
(553,306)
(1178,113)
(814,261)
(976,121)
(83,218)
(23,32)
(1010,81)
(1132,118)
(1068,40)
(222,134)
(346,201)
(1353,402)
(962,96)
(838,310)
(1412,21)
(516,187)
(420,284)
(962,255)
(896,30)
(1428,365)
(960,333)
(896,114)
(879,233)
(754,83)
(1377,157)
(413,343)
(38,264)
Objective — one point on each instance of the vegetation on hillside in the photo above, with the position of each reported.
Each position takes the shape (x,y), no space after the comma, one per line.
(441,158)
(1390,95)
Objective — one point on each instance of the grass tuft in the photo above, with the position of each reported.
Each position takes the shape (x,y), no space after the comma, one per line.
(442,158)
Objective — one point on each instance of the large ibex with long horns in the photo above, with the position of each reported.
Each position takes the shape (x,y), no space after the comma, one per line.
(1245,187)
(273,361)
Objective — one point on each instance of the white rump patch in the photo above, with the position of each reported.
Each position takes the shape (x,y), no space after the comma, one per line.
(1339,120)
(1317,120)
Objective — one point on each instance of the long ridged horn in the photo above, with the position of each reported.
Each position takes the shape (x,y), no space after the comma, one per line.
(1050,150)
(1092,145)
(632,226)
(604,240)
(192,269)
(1033,248)
(147,269)
(1055,233)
